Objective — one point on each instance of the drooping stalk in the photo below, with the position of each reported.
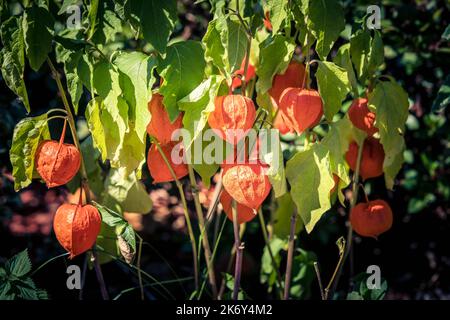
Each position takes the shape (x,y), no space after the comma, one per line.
(186,213)
(138,265)
(331,288)
(203,232)
(319,280)
(230,261)
(239,247)
(287,280)
(84,176)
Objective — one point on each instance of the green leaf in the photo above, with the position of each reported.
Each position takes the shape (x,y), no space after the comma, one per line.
(110,217)
(354,296)
(275,55)
(390,103)
(268,273)
(38,30)
(272,155)
(107,25)
(360,284)
(19,265)
(235,41)
(366,52)
(129,236)
(13,54)
(281,217)
(182,71)
(66,4)
(325,21)
(5,291)
(360,51)
(92,17)
(343,60)
(197,106)
(311,180)
(226,44)
(112,118)
(443,96)
(91,158)
(156,20)
(206,169)
(127,191)
(28,133)
(138,67)
(71,59)
(446,34)
(333,87)
(278,13)
(337,141)
(303,274)
(214,49)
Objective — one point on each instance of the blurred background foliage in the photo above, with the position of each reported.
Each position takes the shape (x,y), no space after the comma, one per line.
(413,256)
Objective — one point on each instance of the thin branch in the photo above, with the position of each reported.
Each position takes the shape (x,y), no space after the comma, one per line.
(350,229)
(319,279)
(287,281)
(186,212)
(203,232)
(239,252)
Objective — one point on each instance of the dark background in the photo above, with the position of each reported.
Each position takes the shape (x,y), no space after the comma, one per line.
(414,255)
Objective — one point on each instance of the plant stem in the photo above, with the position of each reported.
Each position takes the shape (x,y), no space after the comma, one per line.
(70,118)
(231,260)
(272,258)
(203,232)
(335,280)
(186,213)
(287,281)
(84,176)
(319,279)
(239,252)
(141,285)
(216,197)
(98,272)
(247,59)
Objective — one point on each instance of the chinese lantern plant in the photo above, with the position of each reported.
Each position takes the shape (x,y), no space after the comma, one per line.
(299,74)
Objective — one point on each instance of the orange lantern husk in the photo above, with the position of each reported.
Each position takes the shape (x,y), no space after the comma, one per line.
(372,158)
(77,226)
(57,162)
(372,218)
(160,126)
(233,117)
(248,183)
(301,109)
(361,117)
(244,214)
(158,167)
